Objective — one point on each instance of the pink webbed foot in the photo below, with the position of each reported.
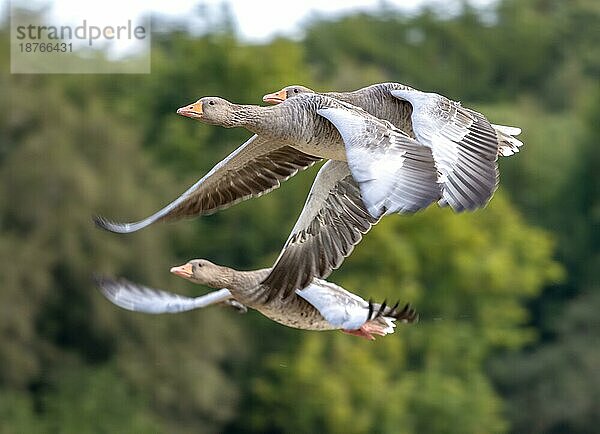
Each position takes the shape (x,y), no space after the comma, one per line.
(360,332)
(370,328)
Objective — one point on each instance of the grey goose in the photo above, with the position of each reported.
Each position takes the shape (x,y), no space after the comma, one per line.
(464,144)
(321,305)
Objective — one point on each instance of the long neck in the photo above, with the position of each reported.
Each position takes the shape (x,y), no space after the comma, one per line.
(244,281)
(252,117)
(370,98)
(234,280)
(246,288)
(342,96)
(221,277)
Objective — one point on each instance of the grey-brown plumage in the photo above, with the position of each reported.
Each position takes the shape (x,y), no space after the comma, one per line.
(464,144)
(288,137)
(320,306)
(377,100)
(254,169)
(465,147)
(332,222)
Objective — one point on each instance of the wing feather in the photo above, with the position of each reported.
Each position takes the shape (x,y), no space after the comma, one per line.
(332,222)
(255,168)
(138,298)
(395,172)
(464,144)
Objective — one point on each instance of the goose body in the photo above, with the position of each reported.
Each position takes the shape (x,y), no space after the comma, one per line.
(393,102)
(464,144)
(319,306)
(375,99)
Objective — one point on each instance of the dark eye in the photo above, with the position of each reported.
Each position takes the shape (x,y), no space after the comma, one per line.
(211,102)
(296,90)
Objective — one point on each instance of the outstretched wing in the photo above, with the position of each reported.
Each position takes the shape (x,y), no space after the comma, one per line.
(332,222)
(139,298)
(254,169)
(465,147)
(395,173)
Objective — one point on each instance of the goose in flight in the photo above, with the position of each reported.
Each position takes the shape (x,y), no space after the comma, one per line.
(321,305)
(464,144)
(394,172)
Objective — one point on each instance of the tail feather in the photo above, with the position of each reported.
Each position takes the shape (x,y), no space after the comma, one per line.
(406,315)
(385,316)
(511,131)
(509,145)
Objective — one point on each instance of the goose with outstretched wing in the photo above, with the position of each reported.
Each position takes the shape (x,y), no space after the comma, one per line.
(465,145)
(321,305)
(290,137)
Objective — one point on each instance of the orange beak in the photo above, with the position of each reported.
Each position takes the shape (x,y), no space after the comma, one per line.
(184,270)
(193,111)
(276,97)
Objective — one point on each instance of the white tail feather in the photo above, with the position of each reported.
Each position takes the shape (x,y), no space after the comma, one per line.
(508,145)
(511,131)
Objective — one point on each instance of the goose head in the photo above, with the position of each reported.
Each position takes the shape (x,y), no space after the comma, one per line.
(211,110)
(285,93)
(204,272)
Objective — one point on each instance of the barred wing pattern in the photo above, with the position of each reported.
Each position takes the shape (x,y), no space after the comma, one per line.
(395,173)
(333,221)
(464,144)
(254,169)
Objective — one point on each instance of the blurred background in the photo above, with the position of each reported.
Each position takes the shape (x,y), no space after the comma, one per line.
(508,295)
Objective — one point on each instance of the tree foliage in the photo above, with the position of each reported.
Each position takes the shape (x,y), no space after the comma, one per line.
(506,294)
(62,164)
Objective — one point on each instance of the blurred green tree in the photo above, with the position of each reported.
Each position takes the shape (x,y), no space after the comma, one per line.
(113,145)
(554,387)
(63,163)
